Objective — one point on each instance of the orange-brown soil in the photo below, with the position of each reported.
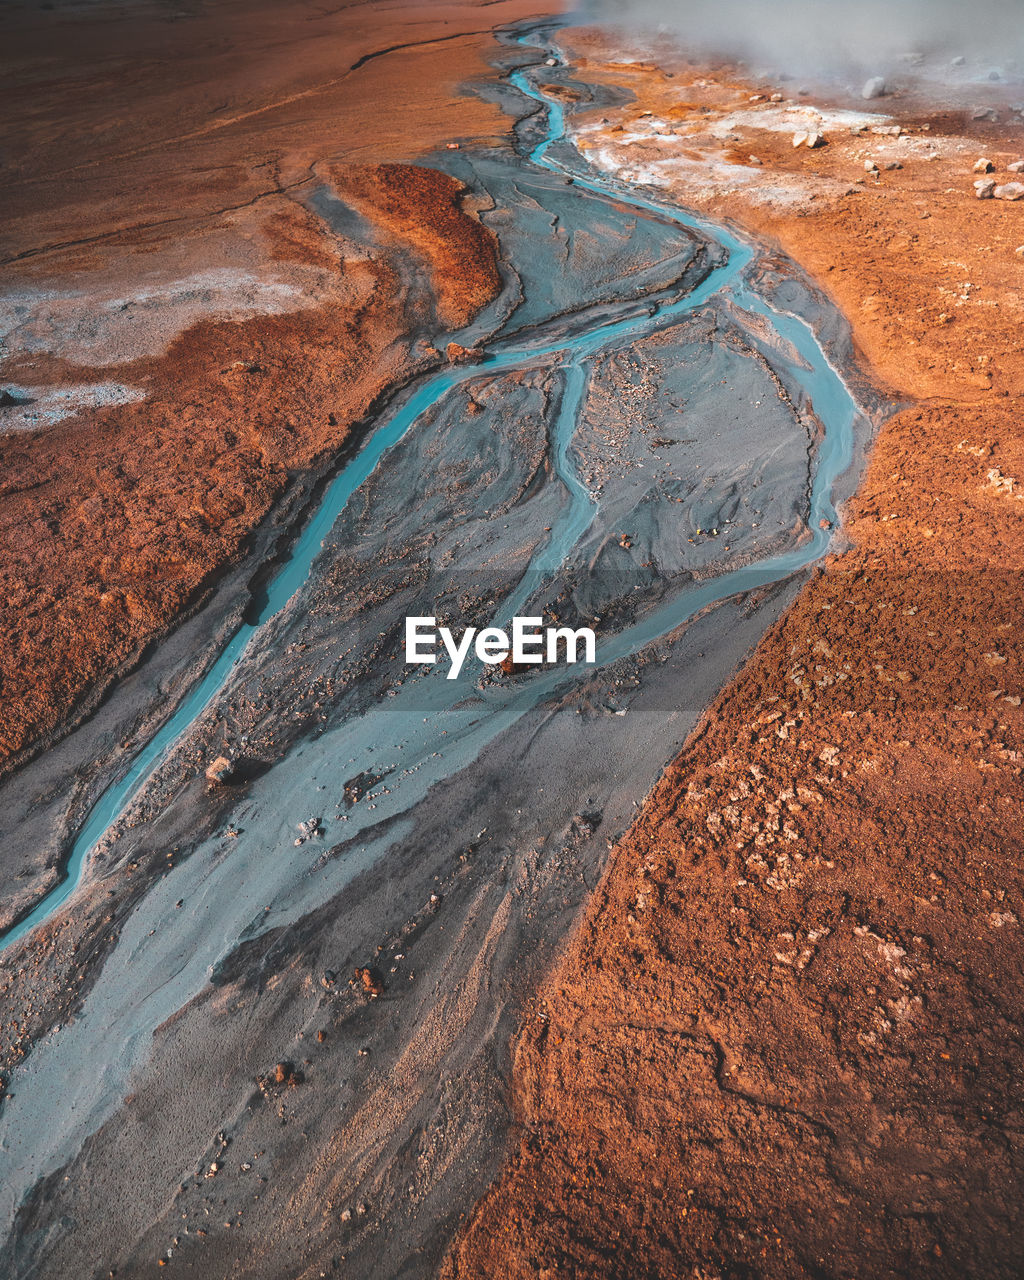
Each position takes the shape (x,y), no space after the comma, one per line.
(113,523)
(786,1039)
(192,142)
(423,207)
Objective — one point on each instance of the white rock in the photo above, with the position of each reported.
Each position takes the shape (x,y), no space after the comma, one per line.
(984,187)
(776,97)
(1010,191)
(870,166)
(958,61)
(1016,167)
(815,140)
(983,165)
(799,139)
(874,88)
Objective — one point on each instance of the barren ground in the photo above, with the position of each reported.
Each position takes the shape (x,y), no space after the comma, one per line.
(786,1039)
(182,335)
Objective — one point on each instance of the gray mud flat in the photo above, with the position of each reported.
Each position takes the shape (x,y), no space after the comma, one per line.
(441,834)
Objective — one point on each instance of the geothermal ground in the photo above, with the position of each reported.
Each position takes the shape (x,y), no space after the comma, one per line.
(320,319)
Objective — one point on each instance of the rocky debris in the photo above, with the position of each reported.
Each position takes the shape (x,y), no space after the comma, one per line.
(984,187)
(220,771)
(328,978)
(287,1073)
(874,88)
(458,354)
(984,165)
(871,168)
(1016,166)
(1009,191)
(370,981)
(308,830)
(284,1073)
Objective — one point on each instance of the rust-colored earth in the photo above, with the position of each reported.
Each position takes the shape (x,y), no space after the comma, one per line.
(786,1039)
(197,139)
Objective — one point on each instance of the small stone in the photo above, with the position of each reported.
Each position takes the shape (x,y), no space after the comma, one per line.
(799,139)
(370,982)
(776,97)
(219,771)
(958,61)
(874,88)
(1019,251)
(1010,191)
(286,1073)
(346,1215)
(1016,166)
(815,140)
(984,188)
(984,165)
(870,166)
(458,354)
(893,164)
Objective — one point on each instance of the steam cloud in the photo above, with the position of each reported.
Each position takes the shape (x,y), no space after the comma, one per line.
(831,36)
